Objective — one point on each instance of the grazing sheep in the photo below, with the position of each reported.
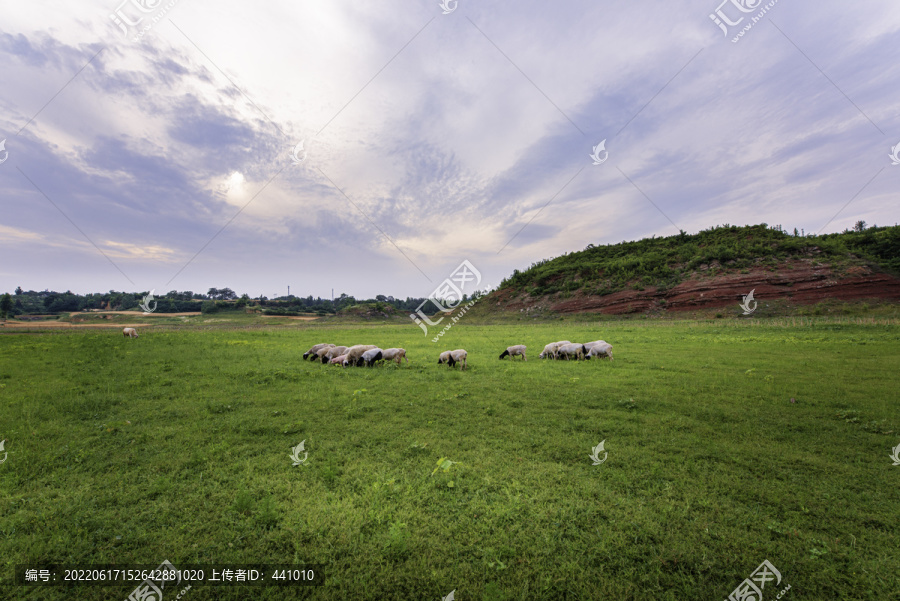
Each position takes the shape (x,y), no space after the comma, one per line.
(394,354)
(559,345)
(354,353)
(339,360)
(371,356)
(572,350)
(130,333)
(599,350)
(514,351)
(312,351)
(451,358)
(549,351)
(332,352)
(319,355)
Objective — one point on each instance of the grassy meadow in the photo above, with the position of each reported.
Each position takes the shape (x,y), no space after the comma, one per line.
(176,446)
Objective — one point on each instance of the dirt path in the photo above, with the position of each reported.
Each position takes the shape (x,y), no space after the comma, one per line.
(300,317)
(135,313)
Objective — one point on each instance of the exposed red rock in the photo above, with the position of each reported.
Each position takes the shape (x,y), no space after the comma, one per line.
(799,282)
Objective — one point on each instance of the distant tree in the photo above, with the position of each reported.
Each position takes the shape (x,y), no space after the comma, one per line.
(130,301)
(18,290)
(6,305)
(859,226)
(242,302)
(213,293)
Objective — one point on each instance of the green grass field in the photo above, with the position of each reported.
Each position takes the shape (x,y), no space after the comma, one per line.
(176,446)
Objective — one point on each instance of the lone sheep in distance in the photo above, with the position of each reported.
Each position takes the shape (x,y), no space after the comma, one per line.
(130,333)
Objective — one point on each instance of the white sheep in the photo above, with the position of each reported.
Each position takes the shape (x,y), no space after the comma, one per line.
(451,358)
(571,350)
(130,333)
(319,355)
(371,356)
(394,354)
(517,350)
(551,350)
(339,360)
(314,349)
(354,353)
(332,352)
(599,349)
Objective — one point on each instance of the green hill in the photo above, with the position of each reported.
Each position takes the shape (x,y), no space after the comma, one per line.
(663,263)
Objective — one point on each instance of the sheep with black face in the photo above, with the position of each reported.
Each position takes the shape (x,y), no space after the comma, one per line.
(451,358)
(517,350)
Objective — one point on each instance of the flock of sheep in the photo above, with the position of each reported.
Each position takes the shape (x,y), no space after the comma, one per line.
(357,356)
(368,354)
(565,349)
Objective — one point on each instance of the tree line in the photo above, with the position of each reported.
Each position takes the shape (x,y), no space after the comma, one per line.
(45,302)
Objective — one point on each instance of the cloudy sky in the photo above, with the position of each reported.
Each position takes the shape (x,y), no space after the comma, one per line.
(159,152)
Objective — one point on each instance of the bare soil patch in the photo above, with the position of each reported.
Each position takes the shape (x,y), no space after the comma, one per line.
(133,313)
